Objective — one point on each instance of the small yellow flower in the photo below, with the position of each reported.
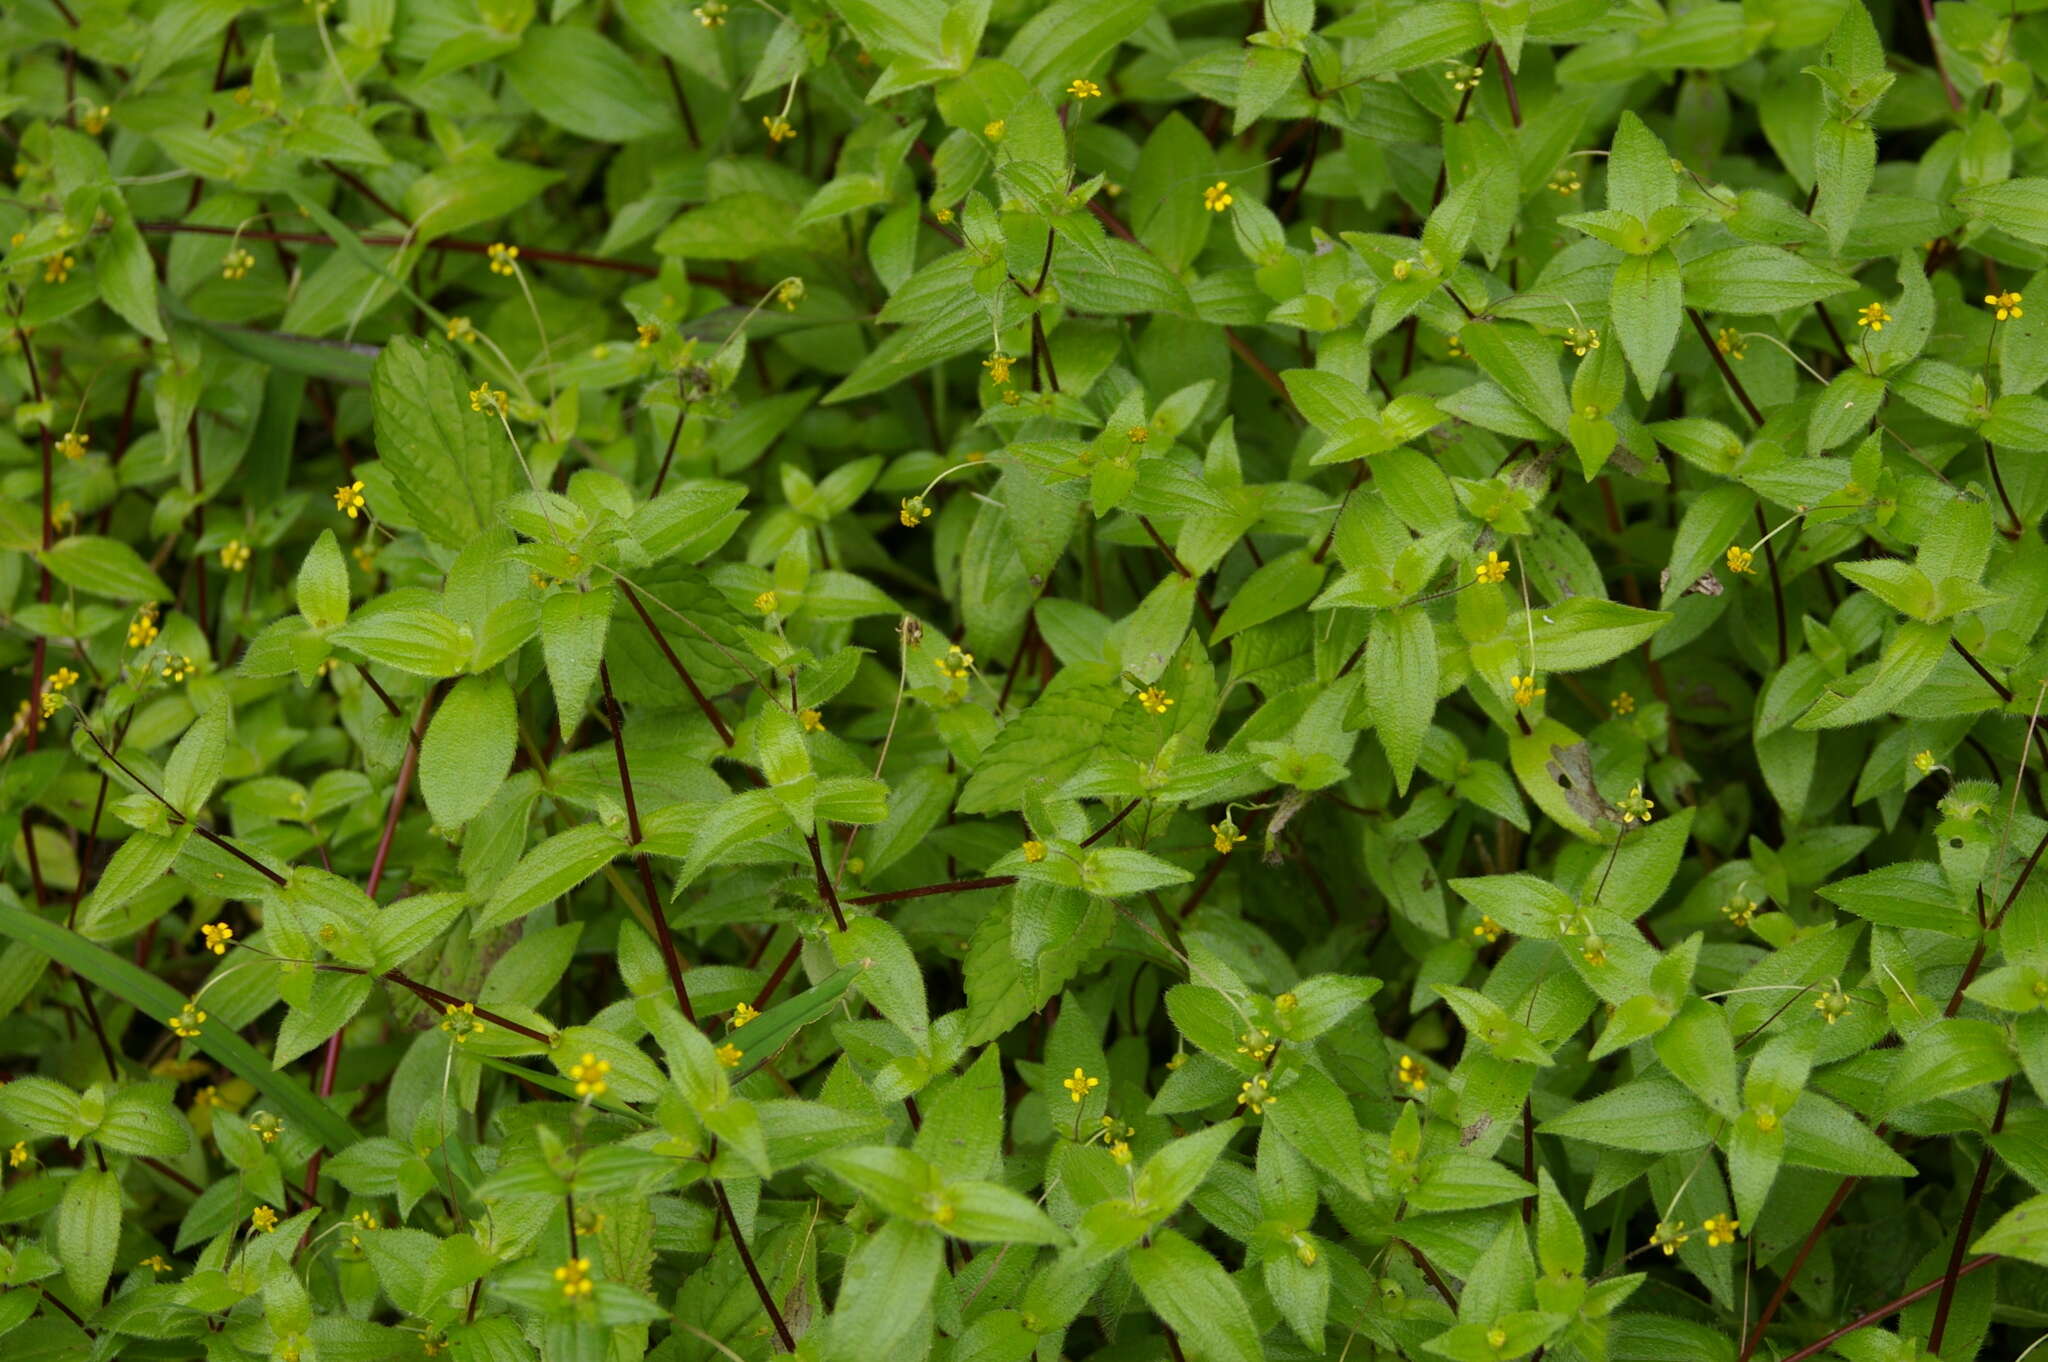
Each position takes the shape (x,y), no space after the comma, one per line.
(1403,268)
(1034,851)
(460,1022)
(1579,340)
(52,702)
(504,258)
(1257,1043)
(1668,1235)
(1634,807)
(208,1096)
(1488,930)
(1832,1004)
(1624,703)
(2007,305)
(1566,182)
(1766,1118)
(1720,1230)
(1410,1073)
(1453,347)
(1120,1150)
(1526,691)
(955,663)
(943,215)
(1494,569)
(18,1155)
(22,713)
(58,268)
(176,668)
(1080,1085)
(1593,950)
(266,1127)
(218,935)
(711,13)
(913,512)
(779,129)
(63,679)
(1739,911)
(155,1263)
(1739,558)
(349,496)
(1155,700)
(1226,835)
(1496,1338)
(588,1076)
(142,629)
(461,329)
(1084,89)
(730,1055)
(1923,761)
(743,1013)
(1137,435)
(574,1276)
(998,366)
(483,397)
(263,1220)
(95,120)
(1256,1095)
(187,1023)
(1180,1057)
(366,560)
(812,721)
(1286,1002)
(993,129)
(789,292)
(71,444)
(234,555)
(1463,78)
(645,335)
(237,263)
(1873,316)
(1730,343)
(1217,197)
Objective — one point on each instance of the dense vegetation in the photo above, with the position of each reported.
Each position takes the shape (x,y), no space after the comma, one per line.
(975,679)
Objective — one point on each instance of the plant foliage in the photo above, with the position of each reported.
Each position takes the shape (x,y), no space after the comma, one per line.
(995,679)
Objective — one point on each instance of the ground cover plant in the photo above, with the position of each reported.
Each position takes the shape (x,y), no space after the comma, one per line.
(982,679)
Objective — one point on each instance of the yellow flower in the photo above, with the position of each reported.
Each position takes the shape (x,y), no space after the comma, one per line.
(483,397)
(588,1076)
(955,663)
(993,129)
(1403,268)
(207,1096)
(1566,182)
(18,1155)
(1155,700)
(52,702)
(1453,348)
(574,1276)
(998,366)
(1832,1004)
(789,292)
(1496,1338)
(730,1055)
(234,555)
(1137,435)
(142,629)
(155,1263)
(711,13)
(1411,1073)
(1634,808)
(1668,1236)
(1739,910)
(237,263)
(1766,1119)
(461,329)
(1463,78)
(1256,1094)
(1729,342)
(812,721)
(1720,1230)
(1739,558)
(218,935)
(1488,930)
(95,120)
(1084,89)
(1923,761)
(504,258)
(742,1014)
(780,129)
(1873,316)
(1594,950)
(1624,703)
(645,335)
(72,445)
(2006,304)
(1180,1057)
(1286,1002)
(366,560)
(1494,569)
(460,1022)
(1034,851)
(264,1220)
(913,512)
(349,496)
(176,667)
(186,1024)
(266,1127)
(1217,197)
(943,215)
(1120,1150)
(58,268)
(1080,1085)
(1256,1043)
(1227,836)
(1579,341)
(63,679)
(1526,691)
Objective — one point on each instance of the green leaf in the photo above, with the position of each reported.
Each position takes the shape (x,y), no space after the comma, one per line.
(582,82)
(1755,279)
(89,1231)
(1401,684)
(573,626)
(103,567)
(551,870)
(195,764)
(451,465)
(1192,1293)
(1645,310)
(1525,366)
(322,587)
(468,749)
